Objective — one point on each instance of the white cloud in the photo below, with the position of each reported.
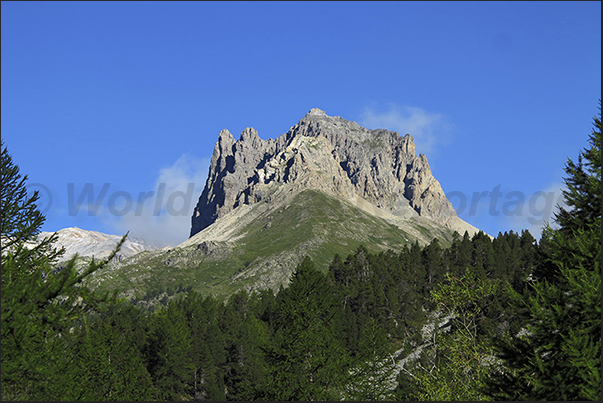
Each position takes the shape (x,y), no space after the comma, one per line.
(162,215)
(428,129)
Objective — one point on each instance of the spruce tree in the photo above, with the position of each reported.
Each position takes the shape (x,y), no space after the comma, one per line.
(307,360)
(557,353)
(583,182)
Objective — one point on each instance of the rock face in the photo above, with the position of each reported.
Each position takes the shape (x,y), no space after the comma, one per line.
(377,170)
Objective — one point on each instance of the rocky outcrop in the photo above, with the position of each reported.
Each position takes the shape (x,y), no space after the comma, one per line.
(378,168)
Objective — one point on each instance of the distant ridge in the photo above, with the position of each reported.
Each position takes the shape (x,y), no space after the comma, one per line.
(94,243)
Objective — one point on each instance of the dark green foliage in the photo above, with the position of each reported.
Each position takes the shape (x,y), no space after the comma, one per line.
(307,360)
(169,354)
(433,264)
(583,193)
(557,353)
(323,337)
(106,351)
(245,373)
(460,253)
(482,258)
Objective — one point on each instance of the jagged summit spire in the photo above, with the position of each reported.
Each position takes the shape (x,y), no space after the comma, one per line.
(325,153)
(316,112)
(224,133)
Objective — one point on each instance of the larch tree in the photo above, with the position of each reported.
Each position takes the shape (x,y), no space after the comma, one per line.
(39,300)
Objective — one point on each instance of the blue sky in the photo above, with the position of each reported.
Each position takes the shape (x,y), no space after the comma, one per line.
(134,94)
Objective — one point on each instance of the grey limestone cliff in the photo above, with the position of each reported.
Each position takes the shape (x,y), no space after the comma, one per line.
(378,168)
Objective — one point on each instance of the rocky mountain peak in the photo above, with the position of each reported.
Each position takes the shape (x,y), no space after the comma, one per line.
(225,135)
(249,134)
(376,169)
(316,112)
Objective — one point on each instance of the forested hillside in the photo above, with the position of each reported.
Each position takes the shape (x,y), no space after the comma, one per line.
(507,318)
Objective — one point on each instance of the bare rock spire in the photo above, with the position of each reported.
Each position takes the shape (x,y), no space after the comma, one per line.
(326,153)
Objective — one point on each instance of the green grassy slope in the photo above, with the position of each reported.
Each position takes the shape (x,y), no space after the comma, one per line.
(313,224)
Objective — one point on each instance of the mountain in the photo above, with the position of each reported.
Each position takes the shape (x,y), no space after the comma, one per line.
(93,243)
(376,170)
(323,188)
